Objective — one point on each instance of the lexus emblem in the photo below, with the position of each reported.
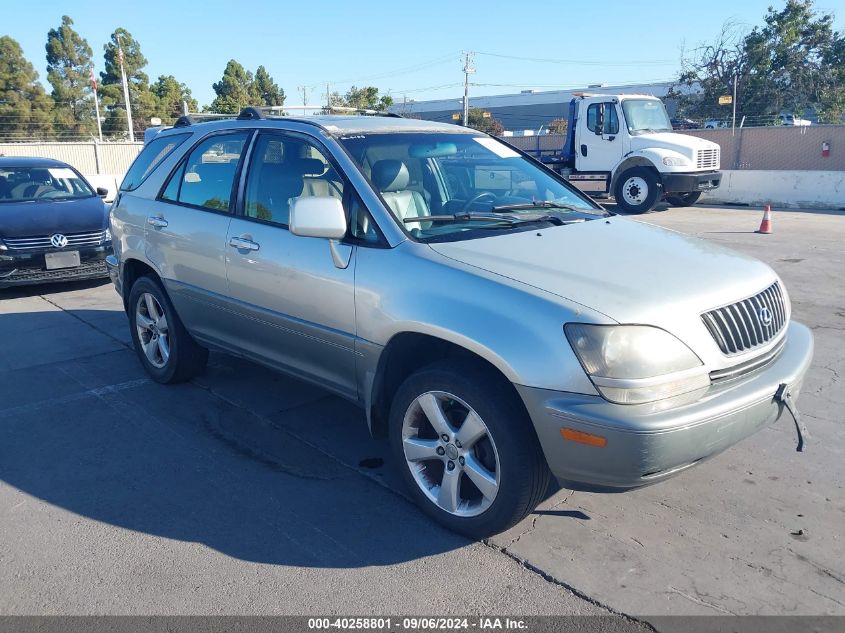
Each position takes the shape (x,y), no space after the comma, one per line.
(58,240)
(765,316)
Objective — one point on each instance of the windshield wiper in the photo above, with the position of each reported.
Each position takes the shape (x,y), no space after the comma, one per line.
(539,204)
(509,220)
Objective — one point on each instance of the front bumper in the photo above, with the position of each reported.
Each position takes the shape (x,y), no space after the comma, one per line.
(687,183)
(644,446)
(26,267)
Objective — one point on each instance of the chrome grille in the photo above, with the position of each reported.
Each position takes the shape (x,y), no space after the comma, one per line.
(742,326)
(90,238)
(707,159)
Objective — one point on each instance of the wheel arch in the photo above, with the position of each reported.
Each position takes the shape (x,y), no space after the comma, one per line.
(407,352)
(132,269)
(634,160)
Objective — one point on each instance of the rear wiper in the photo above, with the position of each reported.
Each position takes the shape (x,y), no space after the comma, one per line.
(539,204)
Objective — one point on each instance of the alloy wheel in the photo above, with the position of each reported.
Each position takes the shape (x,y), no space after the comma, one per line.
(153,333)
(450,453)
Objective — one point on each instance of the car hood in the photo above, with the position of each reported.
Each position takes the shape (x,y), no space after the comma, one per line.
(36,218)
(672,141)
(630,271)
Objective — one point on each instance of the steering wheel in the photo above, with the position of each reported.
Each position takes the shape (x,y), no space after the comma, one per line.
(478,198)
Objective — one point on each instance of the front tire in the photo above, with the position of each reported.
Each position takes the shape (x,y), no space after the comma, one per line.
(168,353)
(466,448)
(637,190)
(683,199)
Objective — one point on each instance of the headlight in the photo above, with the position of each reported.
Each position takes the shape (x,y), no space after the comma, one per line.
(3,247)
(107,238)
(675,161)
(632,364)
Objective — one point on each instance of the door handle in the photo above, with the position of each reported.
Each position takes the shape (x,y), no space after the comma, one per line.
(243,244)
(156,222)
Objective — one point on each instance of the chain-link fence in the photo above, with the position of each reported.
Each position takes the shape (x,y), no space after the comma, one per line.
(759,148)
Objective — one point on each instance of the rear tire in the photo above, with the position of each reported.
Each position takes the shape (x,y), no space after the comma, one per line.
(498,473)
(168,353)
(683,199)
(637,190)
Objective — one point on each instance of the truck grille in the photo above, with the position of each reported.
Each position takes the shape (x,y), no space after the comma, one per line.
(90,238)
(749,323)
(707,159)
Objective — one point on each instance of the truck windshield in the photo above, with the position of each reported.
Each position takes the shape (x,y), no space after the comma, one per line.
(461,181)
(646,115)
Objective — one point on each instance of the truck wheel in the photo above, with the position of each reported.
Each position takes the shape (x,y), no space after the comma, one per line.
(683,199)
(637,190)
(166,350)
(466,448)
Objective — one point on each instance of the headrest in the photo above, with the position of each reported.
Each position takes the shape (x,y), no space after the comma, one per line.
(390,175)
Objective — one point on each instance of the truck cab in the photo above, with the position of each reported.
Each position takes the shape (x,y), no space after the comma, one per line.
(624,146)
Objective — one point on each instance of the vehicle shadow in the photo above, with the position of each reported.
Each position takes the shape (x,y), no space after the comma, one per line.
(17,292)
(253,464)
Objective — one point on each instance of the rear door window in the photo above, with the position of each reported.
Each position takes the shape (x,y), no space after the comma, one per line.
(150,157)
(206,178)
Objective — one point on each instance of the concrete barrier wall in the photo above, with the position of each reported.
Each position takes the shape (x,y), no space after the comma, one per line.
(784,189)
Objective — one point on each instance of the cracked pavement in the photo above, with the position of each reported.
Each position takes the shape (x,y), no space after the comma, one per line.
(247,492)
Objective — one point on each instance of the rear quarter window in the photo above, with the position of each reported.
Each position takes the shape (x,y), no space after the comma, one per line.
(150,157)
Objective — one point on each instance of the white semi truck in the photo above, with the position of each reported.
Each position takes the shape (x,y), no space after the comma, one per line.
(624,146)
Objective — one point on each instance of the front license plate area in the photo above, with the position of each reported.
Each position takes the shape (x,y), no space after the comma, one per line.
(65,259)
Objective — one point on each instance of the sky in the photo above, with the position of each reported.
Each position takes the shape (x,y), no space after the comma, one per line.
(411,50)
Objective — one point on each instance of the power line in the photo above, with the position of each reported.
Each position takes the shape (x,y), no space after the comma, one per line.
(583,62)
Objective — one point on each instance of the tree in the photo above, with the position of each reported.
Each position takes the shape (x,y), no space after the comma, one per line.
(265,91)
(234,91)
(558,126)
(170,95)
(68,71)
(792,62)
(144,103)
(25,108)
(487,124)
(366,98)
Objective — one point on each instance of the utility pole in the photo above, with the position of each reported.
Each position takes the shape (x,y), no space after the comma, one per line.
(125,90)
(468,70)
(96,104)
(328,101)
(733,125)
(304,90)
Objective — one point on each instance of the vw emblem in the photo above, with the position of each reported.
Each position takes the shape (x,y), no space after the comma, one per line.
(58,240)
(765,316)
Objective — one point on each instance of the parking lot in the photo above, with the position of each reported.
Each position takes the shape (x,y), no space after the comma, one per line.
(248,492)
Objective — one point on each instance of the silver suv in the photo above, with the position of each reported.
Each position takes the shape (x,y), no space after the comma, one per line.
(499,326)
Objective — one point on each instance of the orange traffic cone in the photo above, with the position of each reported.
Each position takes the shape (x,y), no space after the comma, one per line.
(766,224)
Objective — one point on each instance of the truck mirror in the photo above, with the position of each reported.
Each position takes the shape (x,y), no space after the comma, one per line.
(600,120)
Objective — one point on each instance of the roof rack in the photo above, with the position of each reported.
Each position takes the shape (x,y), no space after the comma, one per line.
(258,113)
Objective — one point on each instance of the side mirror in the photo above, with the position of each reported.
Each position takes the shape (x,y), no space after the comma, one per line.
(318,216)
(600,120)
(102,192)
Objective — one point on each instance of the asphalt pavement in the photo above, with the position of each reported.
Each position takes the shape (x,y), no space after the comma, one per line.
(247,492)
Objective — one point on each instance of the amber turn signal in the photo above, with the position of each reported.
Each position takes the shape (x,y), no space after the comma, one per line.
(583,438)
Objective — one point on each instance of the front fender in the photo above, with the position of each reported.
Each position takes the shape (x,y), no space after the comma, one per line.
(516,328)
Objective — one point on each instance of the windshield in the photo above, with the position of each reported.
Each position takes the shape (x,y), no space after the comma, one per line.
(646,115)
(468,185)
(25,184)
